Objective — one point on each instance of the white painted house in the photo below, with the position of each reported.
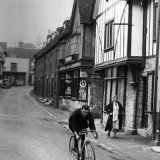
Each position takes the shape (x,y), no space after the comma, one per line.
(17,70)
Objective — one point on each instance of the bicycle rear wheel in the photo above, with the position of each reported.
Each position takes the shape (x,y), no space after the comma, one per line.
(89,152)
(73,154)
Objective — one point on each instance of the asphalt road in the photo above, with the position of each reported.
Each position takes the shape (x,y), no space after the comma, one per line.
(29,133)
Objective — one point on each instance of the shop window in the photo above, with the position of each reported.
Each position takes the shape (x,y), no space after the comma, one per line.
(75,82)
(68,84)
(83,85)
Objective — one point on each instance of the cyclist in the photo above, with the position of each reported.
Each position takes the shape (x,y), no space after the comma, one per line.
(81,119)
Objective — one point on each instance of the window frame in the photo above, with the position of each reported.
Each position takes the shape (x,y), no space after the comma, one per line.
(155,10)
(75,81)
(109,35)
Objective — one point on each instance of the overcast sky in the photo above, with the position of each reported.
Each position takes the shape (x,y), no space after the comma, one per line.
(26,20)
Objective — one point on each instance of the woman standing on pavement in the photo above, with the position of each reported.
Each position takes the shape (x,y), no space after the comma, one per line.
(114,109)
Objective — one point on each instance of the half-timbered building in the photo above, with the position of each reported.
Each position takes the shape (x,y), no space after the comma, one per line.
(125,55)
(78,82)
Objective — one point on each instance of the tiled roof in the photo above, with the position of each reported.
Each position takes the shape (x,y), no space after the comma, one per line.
(85,11)
(21,52)
(53,42)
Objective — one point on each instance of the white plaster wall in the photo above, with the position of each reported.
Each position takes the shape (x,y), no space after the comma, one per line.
(23,65)
(137,29)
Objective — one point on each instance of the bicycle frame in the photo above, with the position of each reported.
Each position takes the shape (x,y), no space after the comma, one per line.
(86,140)
(86,149)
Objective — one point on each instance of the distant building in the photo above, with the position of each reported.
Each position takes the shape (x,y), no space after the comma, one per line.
(3,54)
(17,70)
(2,60)
(19,65)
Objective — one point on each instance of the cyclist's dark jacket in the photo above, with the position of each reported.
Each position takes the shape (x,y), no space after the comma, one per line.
(77,122)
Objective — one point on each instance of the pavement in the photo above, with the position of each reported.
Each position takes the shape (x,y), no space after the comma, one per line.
(135,147)
(131,147)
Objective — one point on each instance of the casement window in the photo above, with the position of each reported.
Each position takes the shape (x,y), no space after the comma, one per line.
(109,35)
(155,23)
(13,67)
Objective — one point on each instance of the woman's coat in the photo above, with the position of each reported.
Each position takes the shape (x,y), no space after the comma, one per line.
(109,109)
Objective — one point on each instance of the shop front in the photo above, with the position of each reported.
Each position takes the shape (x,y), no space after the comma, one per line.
(15,78)
(73,88)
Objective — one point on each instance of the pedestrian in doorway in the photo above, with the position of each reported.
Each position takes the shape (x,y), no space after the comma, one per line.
(114,122)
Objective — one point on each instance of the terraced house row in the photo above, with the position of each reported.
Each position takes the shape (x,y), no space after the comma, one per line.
(107,47)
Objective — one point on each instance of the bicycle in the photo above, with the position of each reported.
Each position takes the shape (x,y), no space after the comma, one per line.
(86,152)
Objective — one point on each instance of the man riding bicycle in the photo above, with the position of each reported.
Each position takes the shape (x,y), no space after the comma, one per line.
(81,119)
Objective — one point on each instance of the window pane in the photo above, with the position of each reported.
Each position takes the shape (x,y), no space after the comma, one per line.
(68,83)
(109,35)
(120,71)
(108,72)
(13,66)
(75,87)
(108,91)
(82,88)
(114,72)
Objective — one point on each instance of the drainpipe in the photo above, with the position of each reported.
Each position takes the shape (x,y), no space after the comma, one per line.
(156,75)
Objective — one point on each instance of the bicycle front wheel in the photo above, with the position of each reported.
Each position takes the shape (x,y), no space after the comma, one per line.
(89,152)
(73,155)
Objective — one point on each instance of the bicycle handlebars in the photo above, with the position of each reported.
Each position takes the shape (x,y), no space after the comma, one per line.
(84,131)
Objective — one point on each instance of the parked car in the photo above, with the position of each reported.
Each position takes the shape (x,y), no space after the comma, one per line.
(6,84)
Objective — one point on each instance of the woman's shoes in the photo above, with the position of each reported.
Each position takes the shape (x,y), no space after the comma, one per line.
(115,137)
(108,133)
